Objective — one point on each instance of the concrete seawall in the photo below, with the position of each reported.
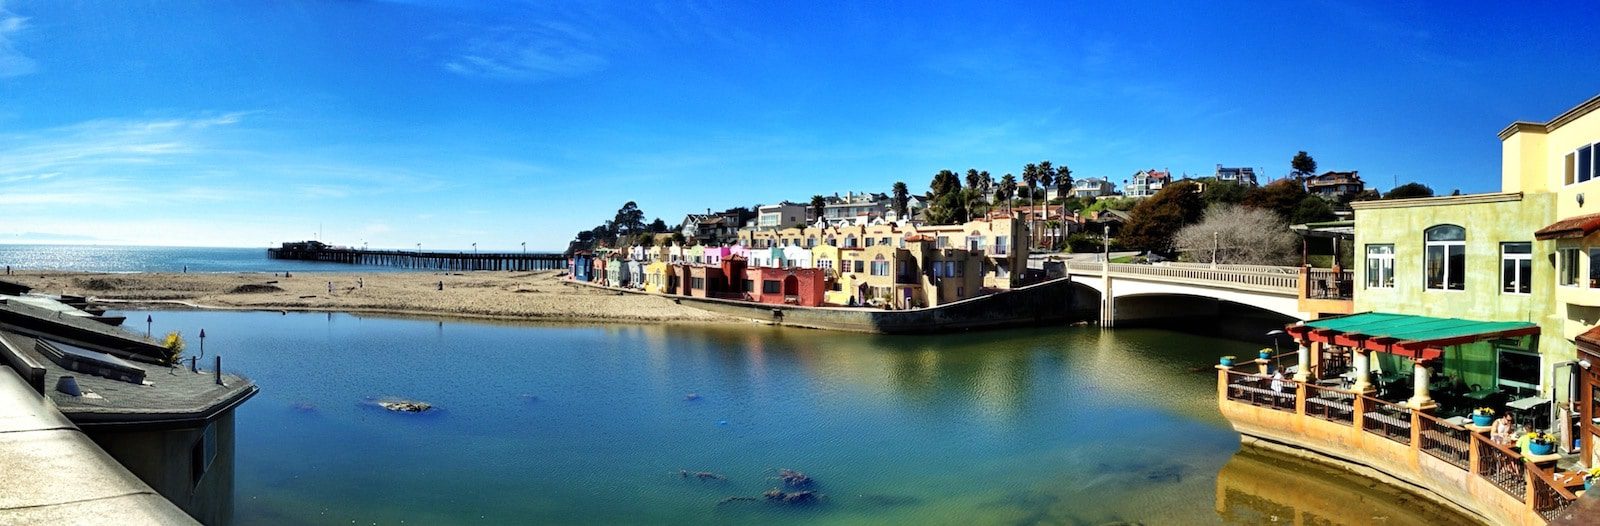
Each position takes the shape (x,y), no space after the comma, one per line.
(1049,302)
(53,474)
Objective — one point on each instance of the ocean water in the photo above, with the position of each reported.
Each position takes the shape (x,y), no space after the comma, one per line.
(96,258)
(571,424)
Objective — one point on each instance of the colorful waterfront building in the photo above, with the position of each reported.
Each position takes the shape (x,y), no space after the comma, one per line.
(1486,302)
(657,277)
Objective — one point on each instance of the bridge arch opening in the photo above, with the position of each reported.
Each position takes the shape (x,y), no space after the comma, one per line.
(1199,314)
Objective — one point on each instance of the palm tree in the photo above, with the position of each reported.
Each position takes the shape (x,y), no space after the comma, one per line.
(973,178)
(977,203)
(901,198)
(1030,175)
(817,203)
(1047,177)
(1063,180)
(987,183)
(1008,188)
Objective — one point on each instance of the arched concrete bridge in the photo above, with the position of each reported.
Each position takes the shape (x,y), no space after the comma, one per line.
(1132,292)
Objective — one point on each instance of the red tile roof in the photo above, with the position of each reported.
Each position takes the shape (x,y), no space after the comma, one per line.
(1589,341)
(1569,228)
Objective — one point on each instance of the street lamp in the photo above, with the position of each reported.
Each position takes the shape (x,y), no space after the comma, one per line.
(202,343)
(524,247)
(474,248)
(148,319)
(419,248)
(1274,334)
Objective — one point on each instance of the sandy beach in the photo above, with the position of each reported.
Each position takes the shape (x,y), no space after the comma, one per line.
(541,295)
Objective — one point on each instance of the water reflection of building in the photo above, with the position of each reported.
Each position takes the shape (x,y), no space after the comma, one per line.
(1256,489)
(172,427)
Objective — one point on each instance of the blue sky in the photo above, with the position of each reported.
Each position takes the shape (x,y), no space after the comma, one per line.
(448,123)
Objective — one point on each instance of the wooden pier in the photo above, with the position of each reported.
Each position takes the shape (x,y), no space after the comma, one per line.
(314,251)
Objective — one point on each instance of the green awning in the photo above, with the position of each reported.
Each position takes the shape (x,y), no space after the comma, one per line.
(1420,337)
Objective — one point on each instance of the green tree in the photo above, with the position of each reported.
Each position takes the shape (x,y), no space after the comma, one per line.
(1156,219)
(1281,197)
(1303,165)
(1408,191)
(817,204)
(946,204)
(1008,189)
(1224,192)
(1047,177)
(1030,175)
(1311,209)
(974,178)
(902,198)
(1063,181)
(658,226)
(629,219)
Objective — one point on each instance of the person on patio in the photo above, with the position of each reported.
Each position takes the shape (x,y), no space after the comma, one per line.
(1502,430)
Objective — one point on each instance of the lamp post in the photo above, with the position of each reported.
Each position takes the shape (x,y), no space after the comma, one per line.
(202,343)
(419,248)
(524,247)
(474,248)
(1274,334)
(148,320)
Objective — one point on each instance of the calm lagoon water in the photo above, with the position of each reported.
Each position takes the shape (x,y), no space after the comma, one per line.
(590,425)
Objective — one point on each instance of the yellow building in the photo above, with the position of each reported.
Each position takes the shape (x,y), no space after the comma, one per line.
(1562,156)
(909,266)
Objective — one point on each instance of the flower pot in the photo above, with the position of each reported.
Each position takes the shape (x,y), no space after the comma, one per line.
(1227,361)
(1536,448)
(1265,355)
(1482,420)
(1587,483)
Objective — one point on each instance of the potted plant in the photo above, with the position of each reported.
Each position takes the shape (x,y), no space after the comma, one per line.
(1541,443)
(1482,417)
(1265,354)
(1227,361)
(1589,477)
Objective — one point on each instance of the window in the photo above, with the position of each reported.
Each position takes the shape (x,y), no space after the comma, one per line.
(850,242)
(1585,163)
(952,269)
(1446,257)
(771,286)
(880,267)
(961,292)
(1594,277)
(944,242)
(825,263)
(1518,368)
(1380,266)
(1569,267)
(871,241)
(975,242)
(749,285)
(860,266)
(697,283)
(789,263)
(811,241)
(203,454)
(1516,267)
(1001,244)
(1000,271)
(883,241)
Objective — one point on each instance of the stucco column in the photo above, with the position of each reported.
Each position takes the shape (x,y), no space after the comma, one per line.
(1302,372)
(1363,371)
(1419,387)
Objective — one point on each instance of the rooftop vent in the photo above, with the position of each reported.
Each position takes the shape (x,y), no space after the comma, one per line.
(85,361)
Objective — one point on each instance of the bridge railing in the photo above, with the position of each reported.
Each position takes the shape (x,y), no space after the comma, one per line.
(1268,281)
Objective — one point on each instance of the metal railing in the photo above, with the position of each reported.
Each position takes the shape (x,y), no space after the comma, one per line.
(1502,467)
(1324,283)
(1330,404)
(1259,390)
(1549,498)
(1445,441)
(1388,420)
(1274,282)
(1267,269)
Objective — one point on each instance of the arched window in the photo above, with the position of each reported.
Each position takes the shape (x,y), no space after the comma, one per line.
(880,266)
(850,241)
(1445,257)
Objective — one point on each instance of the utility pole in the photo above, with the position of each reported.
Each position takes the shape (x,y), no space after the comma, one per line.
(1215,237)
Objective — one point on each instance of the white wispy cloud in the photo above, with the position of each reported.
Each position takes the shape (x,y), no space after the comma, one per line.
(535,52)
(12,62)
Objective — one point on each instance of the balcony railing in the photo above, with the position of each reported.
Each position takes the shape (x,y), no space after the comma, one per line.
(1259,391)
(1326,284)
(1503,467)
(1538,488)
(1330,404)
(1445,441)
(1276,280)
(1388,420)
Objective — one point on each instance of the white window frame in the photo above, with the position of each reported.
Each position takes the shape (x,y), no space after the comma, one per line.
(1568,256)
(1518,283)
(1385,263)
(1444,282)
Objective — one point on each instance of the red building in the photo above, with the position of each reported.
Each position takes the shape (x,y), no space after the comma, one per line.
(792,286)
